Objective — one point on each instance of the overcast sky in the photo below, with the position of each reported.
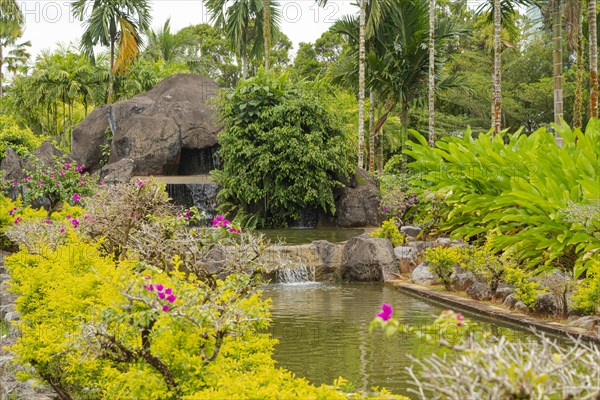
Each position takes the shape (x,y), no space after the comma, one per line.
(49,22)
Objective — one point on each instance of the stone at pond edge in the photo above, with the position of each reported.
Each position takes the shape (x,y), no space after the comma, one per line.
(589,323)
(407,258)
(330,256)
(510,301)
(368,259)
(546,304)
(520,306)
(463,280)
(422,275)
(411,231)
(502,293)
(480,291)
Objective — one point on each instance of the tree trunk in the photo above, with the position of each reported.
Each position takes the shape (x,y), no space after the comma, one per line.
(111,76)
(371,131)
(557,61)
(497,79)
(431,72)
(1,76)
(244,66)
(593,38)
(361,87)
(404,120)
(267,31)
(578,104)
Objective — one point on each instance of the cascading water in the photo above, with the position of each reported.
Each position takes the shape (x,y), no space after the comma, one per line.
(296,274)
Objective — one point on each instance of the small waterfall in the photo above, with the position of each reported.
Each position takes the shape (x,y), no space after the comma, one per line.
(297,274)
(201,195)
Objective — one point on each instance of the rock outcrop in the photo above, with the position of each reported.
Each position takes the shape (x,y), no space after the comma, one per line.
(152,129)
(357,204)
(368,259)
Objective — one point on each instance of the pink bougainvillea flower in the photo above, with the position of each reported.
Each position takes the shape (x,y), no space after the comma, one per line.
(17,220)
(100,184)
(161,295)
(75,222)
(386,312)
(15,183)
(147,277)
(149,288)
(83,182)
(169,291)
(76,197)
(68,216)
(171,298)
(460,320)
(140,183)
(26,179)
(57,183)
(165,308)
(62,230)
(159,287)
(48,222)
(79,168)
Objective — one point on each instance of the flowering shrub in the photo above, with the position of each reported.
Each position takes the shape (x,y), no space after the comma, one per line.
(389,230)
(442,262)
(397,199)
(587,294)
(60,183)
(527,290)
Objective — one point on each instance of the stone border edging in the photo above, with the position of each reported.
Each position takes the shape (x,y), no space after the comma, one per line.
(493,311)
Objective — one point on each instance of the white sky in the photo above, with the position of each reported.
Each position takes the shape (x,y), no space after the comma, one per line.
(49,22)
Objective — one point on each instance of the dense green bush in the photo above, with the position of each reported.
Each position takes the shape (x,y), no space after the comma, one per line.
(23,141)
(283,149)
(521,190)
(389,230)
(442,262)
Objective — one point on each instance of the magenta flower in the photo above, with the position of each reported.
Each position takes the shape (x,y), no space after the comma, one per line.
(171,298)
(62,230)
(147,277)
(140,183)
(83,182)
(100,184)
(149,288)
(79,168)
(68,216)
(76,197)
(159,287)
(386,312)
(169,291)
(57,183)
(165,308)
(460,320)
(17,220)
(15,183)
(48,222)
(161,295)
(26,179)
(75,222)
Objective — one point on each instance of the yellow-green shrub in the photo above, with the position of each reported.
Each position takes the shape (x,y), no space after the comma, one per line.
(587,295)
(389,230)
(527,290)
(442,261)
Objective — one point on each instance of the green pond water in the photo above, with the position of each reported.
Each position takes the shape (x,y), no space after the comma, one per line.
(323,333)
(303,236)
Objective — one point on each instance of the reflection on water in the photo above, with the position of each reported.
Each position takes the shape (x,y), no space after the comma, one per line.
(323,333)
(302,236)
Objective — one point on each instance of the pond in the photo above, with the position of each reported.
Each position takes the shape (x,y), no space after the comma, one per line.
(303,236)
(323,333)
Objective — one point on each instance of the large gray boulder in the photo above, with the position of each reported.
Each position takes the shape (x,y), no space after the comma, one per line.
(422,275)
(357,205)
(152,128)
(368,259)
(90,136)
(407,258)
(480,291)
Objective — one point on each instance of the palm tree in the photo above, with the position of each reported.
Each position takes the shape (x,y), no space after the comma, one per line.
(556,6)
(574,34)
(361,84)
(113,20)
(502,14)
(593,39)
(243,22)
(431,72)
(163,44)
(11,29)
(398,60)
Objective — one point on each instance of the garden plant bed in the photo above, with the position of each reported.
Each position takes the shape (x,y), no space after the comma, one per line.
(492,311)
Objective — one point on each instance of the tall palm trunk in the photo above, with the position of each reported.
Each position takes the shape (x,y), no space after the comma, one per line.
(361,86)
(371,131)
(578,104)
(431,72)
(593,59)
(111,75)
(557,61)
(497,78)
(267,31)
(404,133)
(1,76)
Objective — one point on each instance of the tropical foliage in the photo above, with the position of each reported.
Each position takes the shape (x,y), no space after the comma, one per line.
(284,150)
